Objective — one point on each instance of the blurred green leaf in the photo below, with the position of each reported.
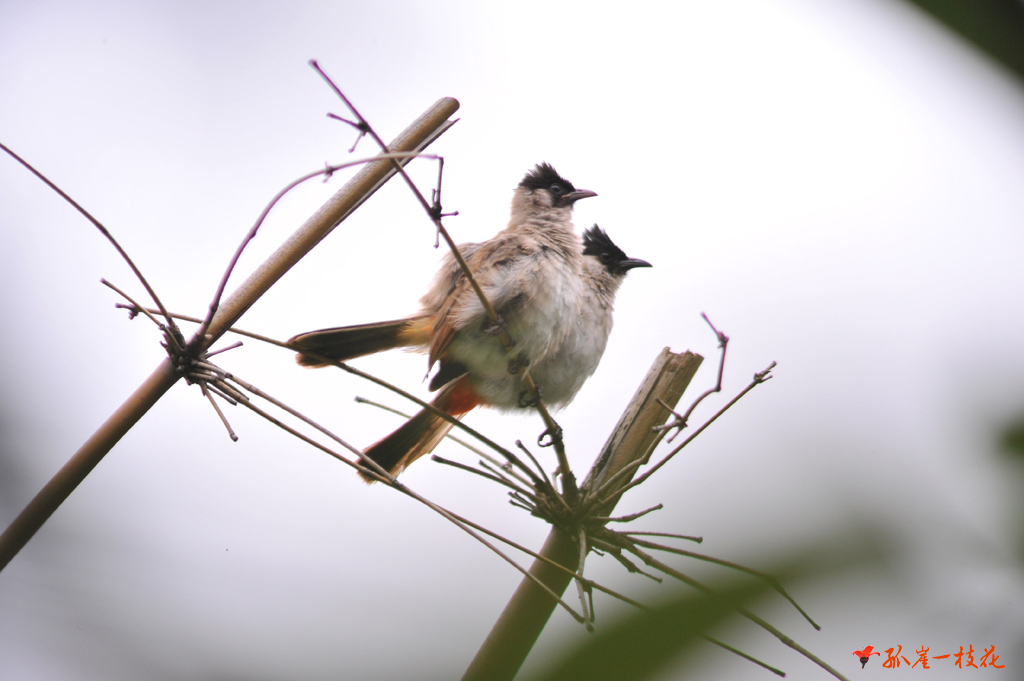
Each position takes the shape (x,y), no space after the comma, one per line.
(994,26)
(643,644)
(1012,436)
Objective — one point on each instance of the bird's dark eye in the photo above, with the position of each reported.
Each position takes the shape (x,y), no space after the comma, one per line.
(605,257)
(556,189)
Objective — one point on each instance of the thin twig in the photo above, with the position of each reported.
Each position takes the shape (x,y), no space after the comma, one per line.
(525,502)
(581,539)
(590,583)
(251,234)
(103,230)
(631,517)
(655,563)
(551,427)
(378,472)
(507,467)
(630,566)
(759,378)
(512,482)
(135,305)
(44,504)
(682,420)
(474,471)
(742,654)
(369,377)
(237,344)
(540,469)
(687,537)
(768,579)
(216,388)
(223,419)
(526,507)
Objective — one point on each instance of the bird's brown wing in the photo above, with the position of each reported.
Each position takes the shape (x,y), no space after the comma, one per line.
(488,263)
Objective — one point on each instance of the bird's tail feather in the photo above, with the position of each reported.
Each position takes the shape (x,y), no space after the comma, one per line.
(423,432)
(348,342)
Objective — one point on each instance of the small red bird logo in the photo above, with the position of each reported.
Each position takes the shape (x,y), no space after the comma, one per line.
(865,655)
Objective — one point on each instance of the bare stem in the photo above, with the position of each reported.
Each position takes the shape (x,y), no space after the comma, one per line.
(768,579)
(418,135)
(103,230)
(682,420)
(135,305)
(434,213)
(588,614)
(369,377)
(759,378)
(655,563)
(251,234)
(687,537)
(748,658)
(223,419)
(631,517)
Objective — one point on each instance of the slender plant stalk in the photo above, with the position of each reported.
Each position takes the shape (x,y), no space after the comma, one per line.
(371,177)
(552,429)
(527,612)
(517,629)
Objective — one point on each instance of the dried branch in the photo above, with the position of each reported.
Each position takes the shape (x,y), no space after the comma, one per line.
(658,565)
(552,428)
(371,177)
(665,534)
(366,465)
(628,518)
(476,450)
(544,559)
(103,230)
(682,420)
(371,378)
(511,465)
(759,378)
(768,579)
(519,625)
(588,612)
(134,306)
(223,419)
(748,658)
(326,173)
(475,471)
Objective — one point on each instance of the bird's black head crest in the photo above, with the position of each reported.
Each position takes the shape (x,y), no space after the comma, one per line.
(598,244)
(544,177)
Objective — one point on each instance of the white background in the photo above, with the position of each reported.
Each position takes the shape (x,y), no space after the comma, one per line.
(838,185)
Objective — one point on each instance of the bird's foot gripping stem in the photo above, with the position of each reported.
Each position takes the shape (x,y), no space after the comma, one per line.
(526,401)
(516,364)
(550,436)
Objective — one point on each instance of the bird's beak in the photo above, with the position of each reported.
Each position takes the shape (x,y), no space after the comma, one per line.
(573,197)
(630,263)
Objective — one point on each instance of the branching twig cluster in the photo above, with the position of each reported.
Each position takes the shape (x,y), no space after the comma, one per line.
(583,519)
(552,435)
(582,513)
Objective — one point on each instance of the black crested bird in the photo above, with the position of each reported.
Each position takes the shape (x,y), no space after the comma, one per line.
(552,291)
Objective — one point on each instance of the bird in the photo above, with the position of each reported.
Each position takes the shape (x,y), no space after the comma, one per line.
(552,290)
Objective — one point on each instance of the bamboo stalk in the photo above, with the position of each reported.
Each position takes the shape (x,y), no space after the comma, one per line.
(527,612)
(634,437)
(434,122)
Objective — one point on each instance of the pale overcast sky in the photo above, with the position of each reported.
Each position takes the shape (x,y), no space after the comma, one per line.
(837,185)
